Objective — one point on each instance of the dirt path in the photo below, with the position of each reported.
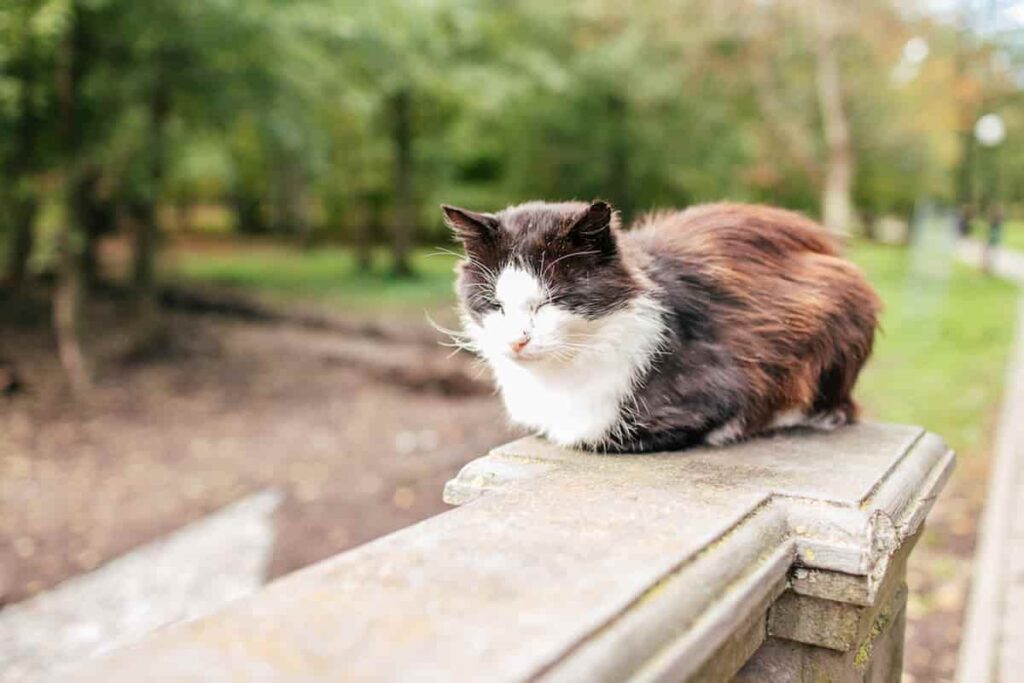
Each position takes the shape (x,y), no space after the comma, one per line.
(360,433)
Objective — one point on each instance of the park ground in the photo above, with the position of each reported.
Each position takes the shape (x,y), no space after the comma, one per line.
(335,390)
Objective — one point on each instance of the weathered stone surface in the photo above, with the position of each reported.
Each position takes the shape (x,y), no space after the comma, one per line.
(184,575)
(833,621)
(815,621)
(877,658)
(739,647)
(575,566)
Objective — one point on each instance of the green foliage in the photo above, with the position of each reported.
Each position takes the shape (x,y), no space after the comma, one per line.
(282,110)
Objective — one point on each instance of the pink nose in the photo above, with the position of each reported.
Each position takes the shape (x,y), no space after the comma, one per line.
(519,344)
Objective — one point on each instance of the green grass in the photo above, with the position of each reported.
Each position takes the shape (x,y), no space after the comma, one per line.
(327,275)
(1013,235)
(942,355)
(939,361)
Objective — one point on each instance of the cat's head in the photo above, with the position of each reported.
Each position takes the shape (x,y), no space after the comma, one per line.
(539,280)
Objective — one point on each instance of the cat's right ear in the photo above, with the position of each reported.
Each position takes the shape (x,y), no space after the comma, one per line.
(470,228)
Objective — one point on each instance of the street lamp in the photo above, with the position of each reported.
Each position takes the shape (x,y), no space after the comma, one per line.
(990,130)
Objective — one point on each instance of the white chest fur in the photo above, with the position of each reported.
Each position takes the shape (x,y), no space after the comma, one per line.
(580,400)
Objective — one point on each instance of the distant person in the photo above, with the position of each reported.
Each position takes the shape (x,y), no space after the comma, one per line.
(995,235)
(963,225)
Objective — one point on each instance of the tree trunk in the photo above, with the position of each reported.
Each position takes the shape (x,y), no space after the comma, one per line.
(144,256)
(23,218)
(67,297)
(248,214)
(145,212)
(836,198)
(965,172)
(369,225)
(619,191)
(67,313)
(968,112)
(96,217)
(870,225)
(295,218)
(90,259)
(404,220)
(182,209)
(363,251)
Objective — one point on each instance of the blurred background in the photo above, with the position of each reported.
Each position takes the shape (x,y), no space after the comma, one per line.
(221,247)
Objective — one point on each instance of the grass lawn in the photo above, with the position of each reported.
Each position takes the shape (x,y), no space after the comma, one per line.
(1013,235)
(326,275)
(939,361)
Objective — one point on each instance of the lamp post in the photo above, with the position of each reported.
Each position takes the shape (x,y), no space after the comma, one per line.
(990,131)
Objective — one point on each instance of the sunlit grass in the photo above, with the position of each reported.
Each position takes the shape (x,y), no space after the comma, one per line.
(1013,235)
(941,357)
(326,274)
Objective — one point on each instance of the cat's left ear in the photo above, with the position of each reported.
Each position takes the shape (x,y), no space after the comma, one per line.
(471,228)
(594,229)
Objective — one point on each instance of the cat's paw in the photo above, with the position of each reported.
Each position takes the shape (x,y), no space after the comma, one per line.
(828,420)
(730,432)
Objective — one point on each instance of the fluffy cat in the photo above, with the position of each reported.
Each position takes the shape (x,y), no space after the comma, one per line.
(708,325)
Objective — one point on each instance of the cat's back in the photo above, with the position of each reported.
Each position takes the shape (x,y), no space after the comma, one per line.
(768,287)
(730,231)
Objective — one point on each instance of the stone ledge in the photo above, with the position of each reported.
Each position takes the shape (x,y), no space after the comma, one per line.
(830,621)
(575,566)
(844,525)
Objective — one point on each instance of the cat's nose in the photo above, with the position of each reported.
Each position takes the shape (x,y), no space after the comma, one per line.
(519,344)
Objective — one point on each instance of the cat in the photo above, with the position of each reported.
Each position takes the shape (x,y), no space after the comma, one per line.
(709,325)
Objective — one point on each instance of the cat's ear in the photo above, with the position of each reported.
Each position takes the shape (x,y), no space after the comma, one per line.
(593,229)
(470,228)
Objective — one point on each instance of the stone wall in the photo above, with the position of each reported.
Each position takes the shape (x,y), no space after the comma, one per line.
(780,559)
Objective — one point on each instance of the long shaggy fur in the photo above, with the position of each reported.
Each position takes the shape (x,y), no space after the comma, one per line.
(797,320)
(760,324)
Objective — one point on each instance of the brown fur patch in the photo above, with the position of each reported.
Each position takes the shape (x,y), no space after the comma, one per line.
(800,320)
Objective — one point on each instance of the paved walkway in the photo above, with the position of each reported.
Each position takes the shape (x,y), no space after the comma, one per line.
(1007,263)
(993,644)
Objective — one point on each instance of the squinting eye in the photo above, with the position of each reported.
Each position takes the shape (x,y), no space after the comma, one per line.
(539,306)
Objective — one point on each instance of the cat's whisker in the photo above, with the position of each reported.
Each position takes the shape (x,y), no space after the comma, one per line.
(441,251)
(567,256)
(484,269)
(459,341)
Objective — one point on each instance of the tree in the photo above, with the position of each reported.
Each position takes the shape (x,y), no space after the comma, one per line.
(837,189)
(67,297)
(29,32)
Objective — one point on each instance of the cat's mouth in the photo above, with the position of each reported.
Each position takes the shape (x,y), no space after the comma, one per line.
(527,356)
(538,354)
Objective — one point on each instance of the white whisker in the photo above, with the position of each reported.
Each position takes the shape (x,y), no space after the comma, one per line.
(567,256)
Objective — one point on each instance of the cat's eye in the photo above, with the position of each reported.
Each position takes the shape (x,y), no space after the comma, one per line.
(542,304)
